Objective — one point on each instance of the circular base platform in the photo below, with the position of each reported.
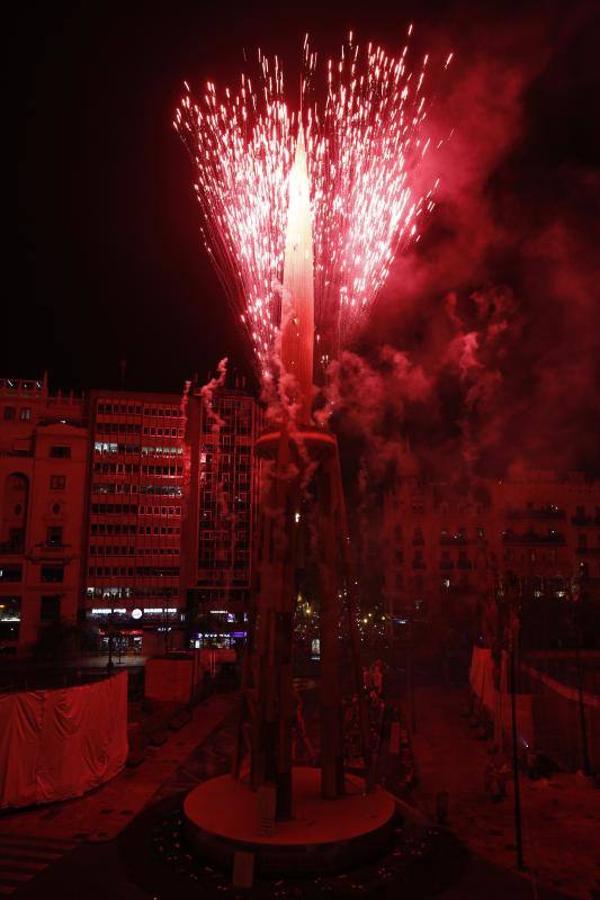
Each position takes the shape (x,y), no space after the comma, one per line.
(222,816)
(318,442)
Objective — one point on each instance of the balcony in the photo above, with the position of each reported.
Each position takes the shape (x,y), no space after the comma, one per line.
(12,547)
(532,537)
(51,551)
(16,452)
(536,512)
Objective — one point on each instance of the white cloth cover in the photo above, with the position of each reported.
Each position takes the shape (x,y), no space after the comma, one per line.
(497,702)
(481,670)
(60,744)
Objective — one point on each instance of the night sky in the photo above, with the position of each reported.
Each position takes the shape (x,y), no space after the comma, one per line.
(108,262)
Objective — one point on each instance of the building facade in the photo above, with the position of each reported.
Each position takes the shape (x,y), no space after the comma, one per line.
(135,513)
(131,512)
(43,467)
(134,518)
(446,551)
(437,547)
(222,429)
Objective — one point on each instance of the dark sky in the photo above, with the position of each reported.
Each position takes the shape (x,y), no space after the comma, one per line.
(108,262)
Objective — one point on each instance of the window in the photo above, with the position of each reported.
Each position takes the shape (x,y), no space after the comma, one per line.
(50,608)
(11,572)
(16,540)
(10,618)
(418,536)
(52,573)
(60,452)
(54,536)
(418,560)
(58,482)
(25,414)
(446,561)
(463,560)
(104,447)
(9,413)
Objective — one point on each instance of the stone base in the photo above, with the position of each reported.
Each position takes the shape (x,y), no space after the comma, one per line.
(222,816)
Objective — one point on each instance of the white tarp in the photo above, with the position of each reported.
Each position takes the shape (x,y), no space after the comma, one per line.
(61,743)
(497,702)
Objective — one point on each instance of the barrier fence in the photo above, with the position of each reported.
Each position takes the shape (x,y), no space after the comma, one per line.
(557,719)
(56,744)
(566,720)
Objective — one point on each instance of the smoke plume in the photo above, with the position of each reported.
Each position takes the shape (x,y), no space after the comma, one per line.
(491,347)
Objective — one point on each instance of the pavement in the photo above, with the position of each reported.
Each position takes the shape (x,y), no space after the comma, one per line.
(561,814)
(76,849)
(100,661)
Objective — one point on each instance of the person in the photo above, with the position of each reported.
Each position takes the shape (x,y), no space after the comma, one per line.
(377,677)
(496,776)
(352,742)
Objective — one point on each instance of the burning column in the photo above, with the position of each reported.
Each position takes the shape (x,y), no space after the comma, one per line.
(330,237)
(298,316)
(290,450)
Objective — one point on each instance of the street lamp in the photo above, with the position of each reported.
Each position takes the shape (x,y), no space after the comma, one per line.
(110,665)
(513,650)
(575,610)
(410,686)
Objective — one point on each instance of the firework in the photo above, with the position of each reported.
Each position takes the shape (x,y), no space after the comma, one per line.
(365,135)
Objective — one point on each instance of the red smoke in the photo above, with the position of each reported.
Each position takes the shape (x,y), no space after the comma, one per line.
(489,326)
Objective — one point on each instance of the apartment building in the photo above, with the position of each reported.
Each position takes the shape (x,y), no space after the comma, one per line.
(445,550)
(134,515)
(43,465)
(222,428)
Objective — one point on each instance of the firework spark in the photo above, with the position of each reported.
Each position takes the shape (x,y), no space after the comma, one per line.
(365,133)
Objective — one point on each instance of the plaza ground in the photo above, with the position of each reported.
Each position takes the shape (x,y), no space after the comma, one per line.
(561,814)
(72,849)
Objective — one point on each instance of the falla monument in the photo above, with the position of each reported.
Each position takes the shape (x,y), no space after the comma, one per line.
(268,816)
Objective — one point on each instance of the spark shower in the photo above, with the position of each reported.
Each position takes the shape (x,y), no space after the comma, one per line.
(364,122)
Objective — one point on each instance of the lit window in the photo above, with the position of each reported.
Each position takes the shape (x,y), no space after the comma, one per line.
(10,618)
(10,572)
(25,414)
(54,536)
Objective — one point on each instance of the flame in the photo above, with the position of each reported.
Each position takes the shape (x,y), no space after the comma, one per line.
(365,141)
